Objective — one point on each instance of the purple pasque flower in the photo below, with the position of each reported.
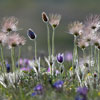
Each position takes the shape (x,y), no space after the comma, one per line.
(68,56)
(38,90)
(31,34)
(39,87)
(82,90)
(26,62)
(60,58)
(58,84)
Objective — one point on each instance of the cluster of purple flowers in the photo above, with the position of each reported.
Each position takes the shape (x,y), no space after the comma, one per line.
(38,90)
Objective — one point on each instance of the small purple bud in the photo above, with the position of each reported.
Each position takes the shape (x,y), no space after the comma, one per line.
(60,58)
(31,34)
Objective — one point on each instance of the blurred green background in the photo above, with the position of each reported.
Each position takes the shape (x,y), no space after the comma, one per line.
(29,14)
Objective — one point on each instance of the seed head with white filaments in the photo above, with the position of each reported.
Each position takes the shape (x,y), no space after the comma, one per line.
(15,40)
(9,24)
(54,20)
(75,28)
(93,22)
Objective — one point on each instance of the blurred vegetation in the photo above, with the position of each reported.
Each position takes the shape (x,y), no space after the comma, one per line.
(29,14)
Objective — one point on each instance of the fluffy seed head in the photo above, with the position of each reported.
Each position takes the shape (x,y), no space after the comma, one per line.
(83,43)
(54,20)
(15,40)
(93,22)
(9,24)
(75,28)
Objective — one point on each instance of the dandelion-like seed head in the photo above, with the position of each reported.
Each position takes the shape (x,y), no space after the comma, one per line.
(9,24)
(54,20)
(14,40)
(83,44)
(93,22)
(75,28)
(45,17)
(87,35)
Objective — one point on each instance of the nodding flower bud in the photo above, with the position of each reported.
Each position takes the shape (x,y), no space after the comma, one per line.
(31,34)
(45,17)
(60,58)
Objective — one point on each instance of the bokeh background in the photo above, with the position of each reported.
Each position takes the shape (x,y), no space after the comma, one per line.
(29,14)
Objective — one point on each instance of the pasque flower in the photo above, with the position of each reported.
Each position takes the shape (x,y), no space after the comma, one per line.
(38,90)
(54,20)
(31,34)
(9,24)
(60,58)
(58,84)
(45,17)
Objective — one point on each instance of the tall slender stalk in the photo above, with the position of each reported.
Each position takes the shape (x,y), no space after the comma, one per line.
(19,54)
(53,36)
(2,59)
(98,63)
(75,53)
(35,49)
(12,59)
(48,37)
(95,59)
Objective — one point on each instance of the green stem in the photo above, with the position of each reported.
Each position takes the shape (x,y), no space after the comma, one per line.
(12,59)
(95,60)
(75,53)
(2,59)
(53,36)
(98,63)
(35,50)
(19,54)
(49,48)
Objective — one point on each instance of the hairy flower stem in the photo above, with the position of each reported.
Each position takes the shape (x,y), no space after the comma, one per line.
(83,54)
(19,54)
(53,36)
(95,58)
(98,63)
(75,54)
(35,49)
(2,59)
(48,37)
(12,59)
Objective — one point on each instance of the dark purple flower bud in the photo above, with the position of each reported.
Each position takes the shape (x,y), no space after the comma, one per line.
(58,84)
(60,58)
(82,90)
(31,34)
(8,67)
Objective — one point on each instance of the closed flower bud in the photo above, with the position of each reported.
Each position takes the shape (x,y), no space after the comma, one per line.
(31,34)
(45,17)
(60,58)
